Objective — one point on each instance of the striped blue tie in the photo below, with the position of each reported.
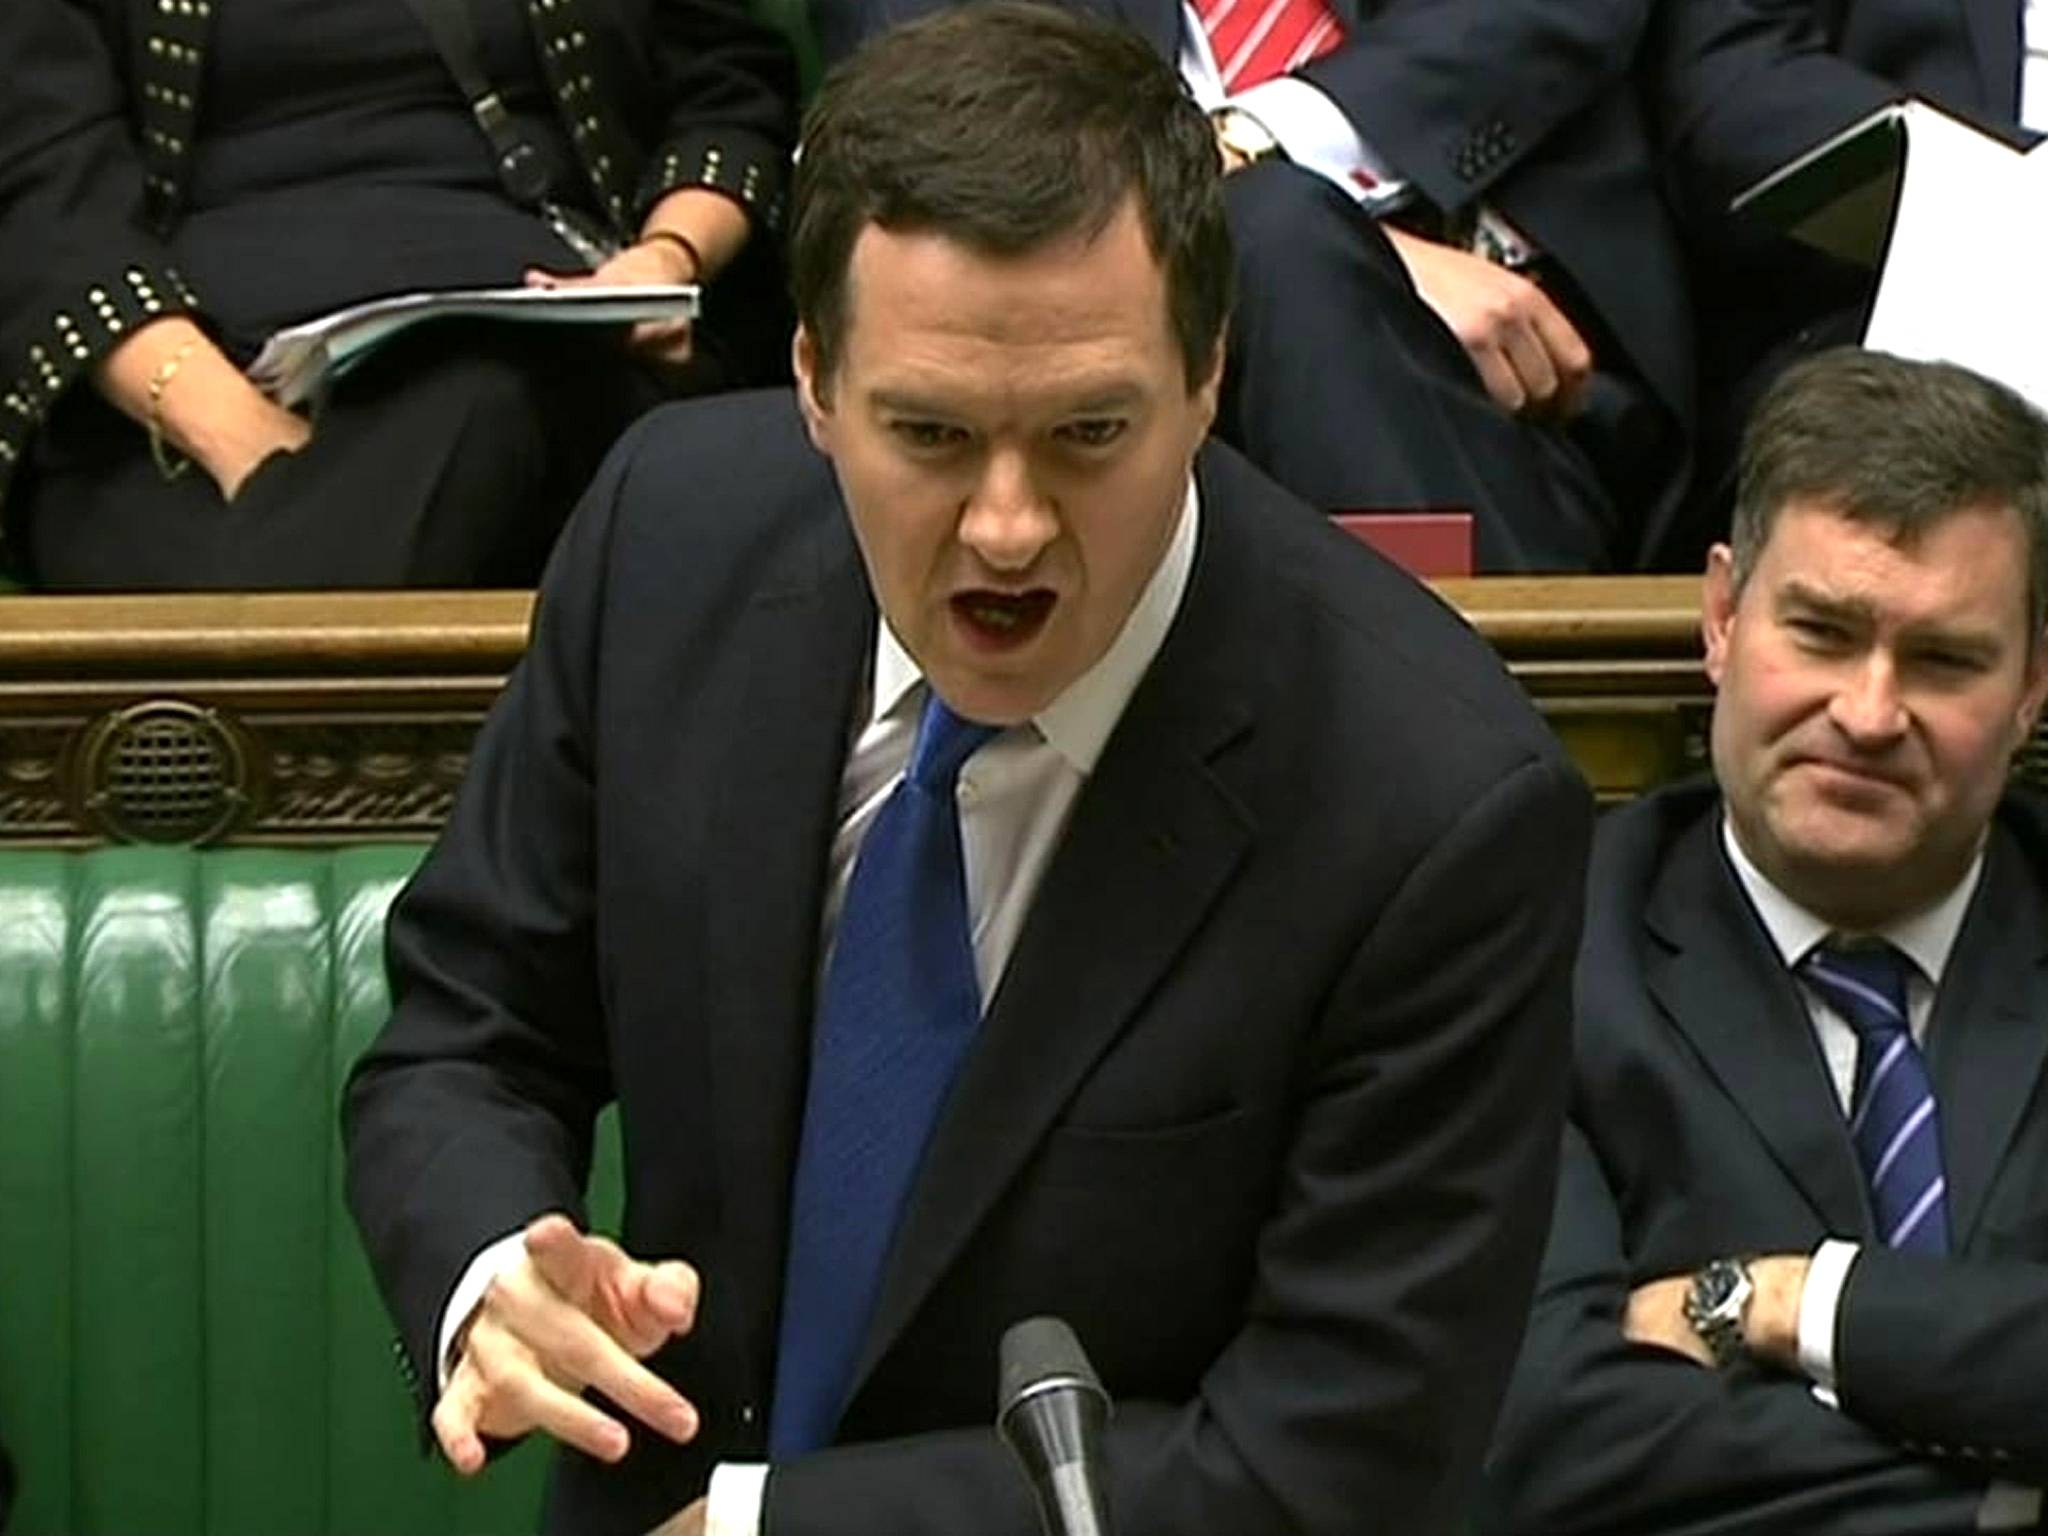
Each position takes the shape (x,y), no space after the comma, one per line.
(898,1011)
(1892,1117)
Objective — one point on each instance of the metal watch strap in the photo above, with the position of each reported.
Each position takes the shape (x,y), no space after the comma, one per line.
(1716,1304)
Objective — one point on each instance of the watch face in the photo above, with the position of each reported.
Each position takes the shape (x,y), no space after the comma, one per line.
(1717,1284)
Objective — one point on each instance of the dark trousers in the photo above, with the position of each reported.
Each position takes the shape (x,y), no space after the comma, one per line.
(1346,388)
(449,458)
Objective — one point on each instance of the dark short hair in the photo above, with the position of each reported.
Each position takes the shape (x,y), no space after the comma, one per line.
(1896,444)
(1003,126)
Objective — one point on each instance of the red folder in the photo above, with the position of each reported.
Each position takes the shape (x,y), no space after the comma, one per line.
(1424,544)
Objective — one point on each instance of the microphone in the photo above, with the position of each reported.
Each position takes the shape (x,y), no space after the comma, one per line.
(1050,1409)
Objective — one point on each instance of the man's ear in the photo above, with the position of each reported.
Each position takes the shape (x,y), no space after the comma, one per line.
(810,387)
(1717,609)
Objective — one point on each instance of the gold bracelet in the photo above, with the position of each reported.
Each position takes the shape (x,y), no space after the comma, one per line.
(169,462)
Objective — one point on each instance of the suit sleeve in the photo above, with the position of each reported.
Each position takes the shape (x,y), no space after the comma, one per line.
(1601,1435)
(83,268)
(729,87)
(1735,88)
(1391,1277)
(1949,1357)
(472,1112)
(1454,94)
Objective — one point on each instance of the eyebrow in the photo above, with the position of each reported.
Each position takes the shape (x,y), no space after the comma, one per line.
(910,402)
(1798,594)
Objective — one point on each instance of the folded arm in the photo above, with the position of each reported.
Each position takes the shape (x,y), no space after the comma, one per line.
(1600,1434)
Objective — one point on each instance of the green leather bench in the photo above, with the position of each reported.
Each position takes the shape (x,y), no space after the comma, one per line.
(190,1344)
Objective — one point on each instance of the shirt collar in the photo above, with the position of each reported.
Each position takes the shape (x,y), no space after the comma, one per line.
(1926,937)
(1077,723)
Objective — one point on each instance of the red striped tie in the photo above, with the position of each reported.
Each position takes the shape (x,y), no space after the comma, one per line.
(1256,40)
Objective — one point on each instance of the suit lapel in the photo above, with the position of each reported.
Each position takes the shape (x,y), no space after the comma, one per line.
(1154,838)
(1726,989)
(789,701)
(1989,1032)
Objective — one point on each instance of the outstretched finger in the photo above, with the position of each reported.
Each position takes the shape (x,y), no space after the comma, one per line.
(531,1399)
(577,1352)
(455,1421)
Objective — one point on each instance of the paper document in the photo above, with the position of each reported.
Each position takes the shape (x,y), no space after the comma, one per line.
(297,361)
(1954,219)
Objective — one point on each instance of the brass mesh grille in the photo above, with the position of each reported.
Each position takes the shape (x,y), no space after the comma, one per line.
(164,772)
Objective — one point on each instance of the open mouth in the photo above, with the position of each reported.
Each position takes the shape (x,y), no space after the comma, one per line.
(1003,620)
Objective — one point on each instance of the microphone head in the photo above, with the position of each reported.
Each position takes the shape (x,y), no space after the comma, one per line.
(1041,1352)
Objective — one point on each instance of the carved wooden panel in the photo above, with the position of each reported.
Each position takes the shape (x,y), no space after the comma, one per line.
(337,717)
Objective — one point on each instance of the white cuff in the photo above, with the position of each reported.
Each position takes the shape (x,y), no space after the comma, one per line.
(1818,1303)
(732,1504)
(468,1295)
(1318,137)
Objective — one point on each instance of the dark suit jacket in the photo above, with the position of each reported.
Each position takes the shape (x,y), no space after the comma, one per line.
(1735,88)
(1704,1124)
(101,100)
(1266,1102)
(1738,87)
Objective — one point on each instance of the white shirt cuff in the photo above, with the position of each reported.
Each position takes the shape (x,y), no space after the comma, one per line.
(468,1295)
(1818,1303)
(732,1504)
(1318,137)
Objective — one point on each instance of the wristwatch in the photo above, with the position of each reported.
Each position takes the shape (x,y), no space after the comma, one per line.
(1716,1304)
(1245,136)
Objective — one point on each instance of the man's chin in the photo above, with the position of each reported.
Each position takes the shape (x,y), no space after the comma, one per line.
(992,696)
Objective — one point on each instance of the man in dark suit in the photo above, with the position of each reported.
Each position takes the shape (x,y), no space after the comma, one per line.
(1736,88)
(1488,157)
(1797,1278)
(1245,1053)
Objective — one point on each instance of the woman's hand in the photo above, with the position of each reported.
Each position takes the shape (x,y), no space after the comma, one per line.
(205,408)
(689,237)
(646,264)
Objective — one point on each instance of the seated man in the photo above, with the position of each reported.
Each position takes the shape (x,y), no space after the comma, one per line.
(1488,156)
(1011,859)
(1798,1275)
(1736,88)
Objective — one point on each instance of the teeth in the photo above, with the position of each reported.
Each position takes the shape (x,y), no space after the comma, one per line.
(996,617)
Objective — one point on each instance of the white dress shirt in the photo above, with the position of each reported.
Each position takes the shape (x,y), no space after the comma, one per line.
(1926,938)
(2034,65)
(1014,795)
(1307,125)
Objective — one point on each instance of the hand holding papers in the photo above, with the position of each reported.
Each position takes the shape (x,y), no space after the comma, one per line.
(297,361)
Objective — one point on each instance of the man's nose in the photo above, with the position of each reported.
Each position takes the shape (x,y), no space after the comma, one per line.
(1867,708)
(1008,519)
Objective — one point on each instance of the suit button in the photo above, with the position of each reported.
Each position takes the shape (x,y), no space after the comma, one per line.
(748,1413)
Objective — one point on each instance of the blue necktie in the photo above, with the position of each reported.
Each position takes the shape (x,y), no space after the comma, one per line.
(896,1018)
(1892,1117)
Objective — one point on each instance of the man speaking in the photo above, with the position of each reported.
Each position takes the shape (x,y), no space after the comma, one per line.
(1002,857)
